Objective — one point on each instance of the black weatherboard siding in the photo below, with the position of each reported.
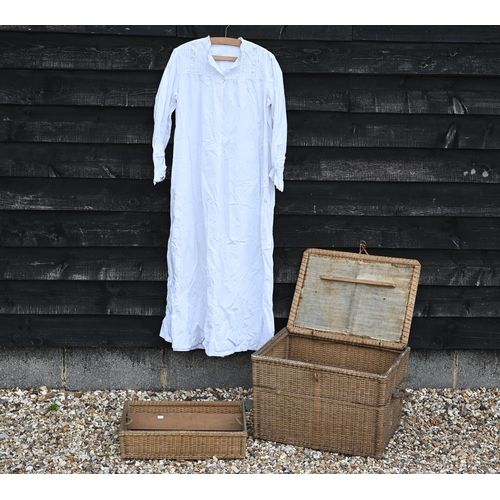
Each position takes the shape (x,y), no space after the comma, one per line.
(394,138)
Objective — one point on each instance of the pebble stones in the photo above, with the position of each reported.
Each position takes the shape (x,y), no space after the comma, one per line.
(44,431)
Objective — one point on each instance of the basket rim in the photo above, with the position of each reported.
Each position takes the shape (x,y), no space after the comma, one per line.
(306,365)
(123,431)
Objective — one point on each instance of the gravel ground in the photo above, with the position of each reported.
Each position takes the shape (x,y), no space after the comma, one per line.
(44,431)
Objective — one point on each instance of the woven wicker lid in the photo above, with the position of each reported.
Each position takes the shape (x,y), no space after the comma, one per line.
(359,298)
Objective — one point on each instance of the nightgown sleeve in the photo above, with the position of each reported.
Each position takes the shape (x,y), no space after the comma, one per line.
(279,126)
(165,103)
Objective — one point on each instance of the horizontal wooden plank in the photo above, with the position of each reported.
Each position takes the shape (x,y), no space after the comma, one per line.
(63,229)
(387,101)
(391,165)
(305,128)
(269,32)
(418,58)
(455,333)
(299,198)
(133,161)
(74,160)
(290,32)
(83,297)
(467,233)
(78,125)
(80,51)
(424,95)
(131,29)
(309,128)
(143,331)
(409,83)
(480,302)
(88,264)
(304,92)
(102,52)
(390,199)
(116,229)
(138,89)
(78,88)
(439,267)
(428,33)
(148,299)
(392,33)
(316,92)
(80,331)
(387,58)
(84,195)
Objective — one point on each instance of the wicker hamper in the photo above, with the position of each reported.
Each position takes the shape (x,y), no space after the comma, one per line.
(191,430)
(334,378)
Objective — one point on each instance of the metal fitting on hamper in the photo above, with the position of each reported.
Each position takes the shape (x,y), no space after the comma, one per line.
(401,394)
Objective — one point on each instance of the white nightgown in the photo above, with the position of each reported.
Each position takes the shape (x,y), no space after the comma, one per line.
(229,153)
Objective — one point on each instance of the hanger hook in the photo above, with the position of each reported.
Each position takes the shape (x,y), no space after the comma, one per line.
(225,32)
(362,247)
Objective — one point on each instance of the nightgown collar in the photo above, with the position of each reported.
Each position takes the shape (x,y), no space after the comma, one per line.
(212,61)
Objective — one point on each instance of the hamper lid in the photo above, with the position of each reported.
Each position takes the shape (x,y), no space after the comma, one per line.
(359,298)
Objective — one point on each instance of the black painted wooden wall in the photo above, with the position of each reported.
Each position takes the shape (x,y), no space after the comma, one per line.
(394,137)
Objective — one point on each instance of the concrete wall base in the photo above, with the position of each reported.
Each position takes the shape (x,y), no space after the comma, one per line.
(159,369)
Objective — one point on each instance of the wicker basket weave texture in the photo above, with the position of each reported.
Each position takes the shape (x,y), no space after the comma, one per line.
(364,375)
(325,424)
(182,444)
(332,379)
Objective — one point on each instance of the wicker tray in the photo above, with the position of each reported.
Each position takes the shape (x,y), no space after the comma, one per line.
(183,430)
(333,379)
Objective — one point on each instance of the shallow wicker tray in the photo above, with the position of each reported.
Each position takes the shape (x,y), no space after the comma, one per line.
(188,443)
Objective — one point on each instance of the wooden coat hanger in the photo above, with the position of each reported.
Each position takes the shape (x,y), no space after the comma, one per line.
(225,40)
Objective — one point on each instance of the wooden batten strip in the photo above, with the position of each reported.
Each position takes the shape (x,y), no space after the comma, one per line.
(354,280)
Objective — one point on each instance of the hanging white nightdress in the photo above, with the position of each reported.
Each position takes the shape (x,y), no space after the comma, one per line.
(229,153)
